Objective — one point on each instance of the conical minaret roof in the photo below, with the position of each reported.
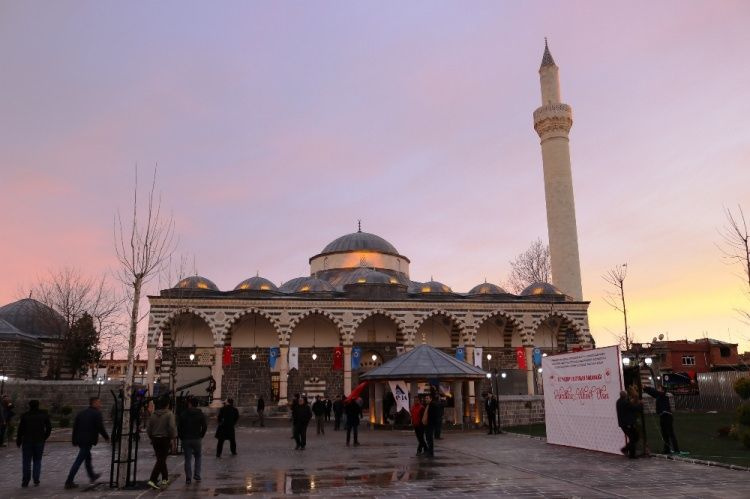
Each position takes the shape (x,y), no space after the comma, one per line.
(547,59)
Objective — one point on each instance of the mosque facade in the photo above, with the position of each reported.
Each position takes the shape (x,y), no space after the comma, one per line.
(359,307)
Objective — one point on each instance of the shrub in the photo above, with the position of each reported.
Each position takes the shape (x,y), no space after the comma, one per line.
(743,414)
(742,387)
(66,410)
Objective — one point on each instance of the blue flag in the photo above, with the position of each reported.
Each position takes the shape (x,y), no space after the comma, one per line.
(536,356)
(356,356)
(461,354)
(273,354)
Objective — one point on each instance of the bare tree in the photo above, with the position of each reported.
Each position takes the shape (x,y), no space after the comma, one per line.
(72,294)
(736,248)
(616,299)
(533,265)
(143,245)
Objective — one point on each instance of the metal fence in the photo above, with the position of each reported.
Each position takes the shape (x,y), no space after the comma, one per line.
(716,393)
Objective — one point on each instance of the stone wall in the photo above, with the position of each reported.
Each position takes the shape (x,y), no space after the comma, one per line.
(245,379)
(521,409)
(21,358)
(52,394)
(319,368)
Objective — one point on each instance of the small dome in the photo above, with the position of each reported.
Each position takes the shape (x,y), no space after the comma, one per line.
(541,289)
(369,276)
(487,288)
(256,284)
(33,317)
(307,285)
(196,282)
(433,287)
(359,241)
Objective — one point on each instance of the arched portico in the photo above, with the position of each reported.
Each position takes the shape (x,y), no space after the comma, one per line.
(314,337)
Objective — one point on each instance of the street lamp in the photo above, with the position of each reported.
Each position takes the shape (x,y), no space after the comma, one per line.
(3,379)
(100,382)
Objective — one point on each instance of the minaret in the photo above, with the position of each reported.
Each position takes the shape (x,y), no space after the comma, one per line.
(552,122)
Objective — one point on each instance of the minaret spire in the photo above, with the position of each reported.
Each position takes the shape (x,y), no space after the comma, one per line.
(547,59)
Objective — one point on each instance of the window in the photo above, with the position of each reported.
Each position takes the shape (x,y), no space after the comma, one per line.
(725,351)
(688,360)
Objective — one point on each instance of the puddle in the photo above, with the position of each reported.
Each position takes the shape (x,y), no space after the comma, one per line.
(300,483)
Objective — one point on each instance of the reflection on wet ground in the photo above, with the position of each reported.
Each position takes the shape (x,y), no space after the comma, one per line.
(287,482)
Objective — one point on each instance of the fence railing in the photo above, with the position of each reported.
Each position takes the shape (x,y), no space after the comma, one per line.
(715,392)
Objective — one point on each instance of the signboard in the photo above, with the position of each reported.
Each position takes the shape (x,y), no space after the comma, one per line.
(580,393)
(401,394)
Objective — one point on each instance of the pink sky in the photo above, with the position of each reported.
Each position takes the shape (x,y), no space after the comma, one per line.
(277,125)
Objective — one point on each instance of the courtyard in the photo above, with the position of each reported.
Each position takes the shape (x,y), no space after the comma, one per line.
(385,465)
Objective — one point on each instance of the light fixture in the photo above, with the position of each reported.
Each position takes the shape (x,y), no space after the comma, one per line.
(489,356)
(374,357)
(658,377)
(544,355)
(648,361)
(488,375)
(314,356)
(626,361)
(109,379)
(504,375)
(254,356)
(192,356)
(539,370)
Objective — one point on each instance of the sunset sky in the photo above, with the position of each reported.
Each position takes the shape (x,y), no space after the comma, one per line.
(276,125)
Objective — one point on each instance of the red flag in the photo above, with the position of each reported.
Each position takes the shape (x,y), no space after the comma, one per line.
(356,392)
(520,358)
(226,358)
(338,358)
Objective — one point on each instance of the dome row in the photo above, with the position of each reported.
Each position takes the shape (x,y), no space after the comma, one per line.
(362,276)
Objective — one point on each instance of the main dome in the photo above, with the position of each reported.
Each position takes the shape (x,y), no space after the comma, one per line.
(359,241)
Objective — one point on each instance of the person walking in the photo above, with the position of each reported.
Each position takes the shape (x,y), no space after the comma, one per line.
(162,430)
(417,411)
(301,416)
(87,427)
(627,412)
(666,419)
(319,410)
(191,429)
(260,409)
(439,402)
(490,406)
(6,414)
(329,406)
(338,412)
(34,429)
(228,417)
(353,411)
(430,420)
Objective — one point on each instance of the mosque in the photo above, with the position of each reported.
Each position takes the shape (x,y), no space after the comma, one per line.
(359,307)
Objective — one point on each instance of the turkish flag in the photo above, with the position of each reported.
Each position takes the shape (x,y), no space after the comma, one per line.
(338,358)
(520,358)
(226,358)
(356,392)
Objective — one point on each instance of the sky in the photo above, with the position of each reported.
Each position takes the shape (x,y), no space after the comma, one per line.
(277,125)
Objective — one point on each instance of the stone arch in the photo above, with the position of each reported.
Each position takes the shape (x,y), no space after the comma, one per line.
(455,334)
(561,329)
(511,333)
(169,319)
(226,333)
(293,325)
(401,333)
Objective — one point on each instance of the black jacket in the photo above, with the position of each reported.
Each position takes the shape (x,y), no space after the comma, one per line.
(34,428)
(301,414)
(662,401)
(627,412)
(228,417)
(87,427)
(434,414)
(261,405)
(319,408)
(192,424)
(490,405)
(338,407)
(353,413)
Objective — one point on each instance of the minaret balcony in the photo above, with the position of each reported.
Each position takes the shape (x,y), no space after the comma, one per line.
(553,120)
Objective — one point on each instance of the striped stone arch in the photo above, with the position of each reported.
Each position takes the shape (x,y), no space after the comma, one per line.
(582,337)
(462,327)
(289,330)
(158,328)
(490,315)
(400,325)
(224,331)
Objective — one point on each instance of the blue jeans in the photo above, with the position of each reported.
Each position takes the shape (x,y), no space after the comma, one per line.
(192,449)
(31,451)
(84,456)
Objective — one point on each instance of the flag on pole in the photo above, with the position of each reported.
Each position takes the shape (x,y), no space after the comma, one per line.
(293,358)
(356,357)
(226,358)
(478,357)
(356,392)
(401,394)
(520,358)
(461,353)
(273,355)
(536,356)
(338,358)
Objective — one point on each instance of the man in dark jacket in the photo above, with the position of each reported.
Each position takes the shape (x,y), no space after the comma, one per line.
(431,420)
(260,409)
(33,430)
(439,402)
(228,417)
(338,412)
(301,415)
(191,429)
(353,411)
(490,406)
(87,427)
(627,413)
(666,420)
(329,406)
(319,410)
(6,414)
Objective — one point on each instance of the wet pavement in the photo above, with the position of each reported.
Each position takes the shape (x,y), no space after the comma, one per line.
(470,463)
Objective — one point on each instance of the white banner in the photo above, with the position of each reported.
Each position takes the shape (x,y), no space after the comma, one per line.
(401,394)
(478,357)
(580,392)
(293,358)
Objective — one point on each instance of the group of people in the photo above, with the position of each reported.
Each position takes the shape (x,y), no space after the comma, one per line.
(426,418)
(302,414)
(629,407)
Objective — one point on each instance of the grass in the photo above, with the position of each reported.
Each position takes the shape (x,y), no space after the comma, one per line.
(696,433)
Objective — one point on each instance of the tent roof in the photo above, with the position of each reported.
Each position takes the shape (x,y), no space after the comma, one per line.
(423,363)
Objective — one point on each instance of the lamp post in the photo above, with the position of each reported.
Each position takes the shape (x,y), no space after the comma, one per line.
(638,361)
(3,379)
(100,382)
